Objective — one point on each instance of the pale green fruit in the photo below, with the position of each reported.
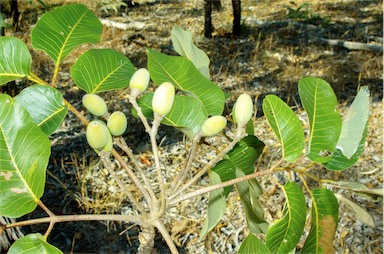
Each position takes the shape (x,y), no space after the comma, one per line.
(97,134)
(139,81)
(95,104)
(163,98)
(213,125)
(117,123)
(243,109)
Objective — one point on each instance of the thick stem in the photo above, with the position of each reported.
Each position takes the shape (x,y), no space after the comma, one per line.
(146,239)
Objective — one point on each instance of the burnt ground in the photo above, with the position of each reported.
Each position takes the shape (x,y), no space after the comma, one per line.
(278,46)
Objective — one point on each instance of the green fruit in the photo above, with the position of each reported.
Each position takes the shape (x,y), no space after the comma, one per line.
(97,134)
(243,109)
(139,80)
(117,123)
(108,147)
(213,125)
(95,104)
(163,98)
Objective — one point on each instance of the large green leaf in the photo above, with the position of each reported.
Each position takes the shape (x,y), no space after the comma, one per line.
(33,244)
(100,70)
(354,124)
(183,74)
(15,59)
(24,156)
(286,125)
(45,105)
(340,162)
(324,218)
(320,103)
(253,245)
(285,233)
(216,206)
(60,31)
(187,113)
(183,44)
(249,192)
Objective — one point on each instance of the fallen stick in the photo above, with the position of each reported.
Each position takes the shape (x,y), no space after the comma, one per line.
(351,45)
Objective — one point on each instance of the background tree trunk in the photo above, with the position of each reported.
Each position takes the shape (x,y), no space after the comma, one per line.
(236,29)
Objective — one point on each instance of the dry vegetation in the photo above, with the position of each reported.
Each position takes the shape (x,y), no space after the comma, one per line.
(270,57)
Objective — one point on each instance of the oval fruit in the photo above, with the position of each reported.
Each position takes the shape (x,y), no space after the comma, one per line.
(117,123)
(163,98)
(139,81)
(95,104)
(243,109)
(97,134)
(213,125)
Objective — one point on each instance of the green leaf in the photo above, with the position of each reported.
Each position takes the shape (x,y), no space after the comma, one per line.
(100,70)
(183,74)
(320,103)
(45,105)
(25,151)
(187,113)
(216,206)
(227,171)
(253,245)
(183,44)
(340,162)
(249,192)
(33,244)
(324,218)
(286,125)
(284,234)
(15,59)
(60,31)
(354,123)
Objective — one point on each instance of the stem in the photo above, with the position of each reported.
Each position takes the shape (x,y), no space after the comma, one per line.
(164,232)
(120,142)
(83,217)
(201,191)
(239,135)
(183,173)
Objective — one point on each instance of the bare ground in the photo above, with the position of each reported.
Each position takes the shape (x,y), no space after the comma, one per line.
(273,53)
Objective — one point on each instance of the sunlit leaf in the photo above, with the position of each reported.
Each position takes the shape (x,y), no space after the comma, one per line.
(253,245)
(45,105)
(285,233)
(324,218)
(100,70)
(183,44)
(216,206)
(339,162)
(25,151)
(15,59)
(33,244)
(184,76)
(286,125)
(354,123)
(187,113)
(60,31)
(361,213)
(358,187)
(320,103)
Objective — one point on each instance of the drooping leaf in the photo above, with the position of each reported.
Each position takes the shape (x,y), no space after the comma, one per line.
(33,244)
(339,162)
(249,192)
(283,234)
(286,125)
(24,156)
(216,206)
(183,44)
(360,212)
(100,70)
(240,161)
(187,113)
(15,59)
(60,31)
(320,103)
(324,218)
(354,123)
(253,245)
(358,187)
(184,76)
(45,105)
